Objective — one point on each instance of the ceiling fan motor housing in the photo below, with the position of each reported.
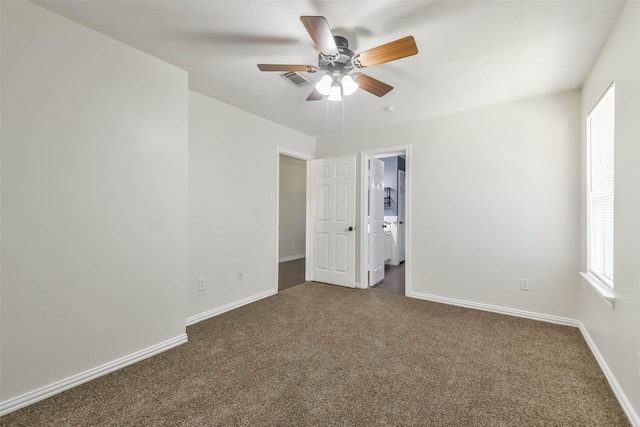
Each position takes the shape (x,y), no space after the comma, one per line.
(337,61)
(342,61)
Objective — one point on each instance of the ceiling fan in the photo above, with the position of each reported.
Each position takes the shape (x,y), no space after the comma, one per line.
(338,60)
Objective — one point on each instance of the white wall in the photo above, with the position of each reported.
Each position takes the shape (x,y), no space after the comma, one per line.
(293,207)
(233,163)
(94,201)
(94,198)
(494,199)
(615,331)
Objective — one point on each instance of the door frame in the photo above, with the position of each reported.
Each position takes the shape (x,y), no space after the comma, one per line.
(307,158)
(364,179)
(402,257)
(372,242)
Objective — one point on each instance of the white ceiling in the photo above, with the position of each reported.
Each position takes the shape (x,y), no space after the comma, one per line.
(471,53)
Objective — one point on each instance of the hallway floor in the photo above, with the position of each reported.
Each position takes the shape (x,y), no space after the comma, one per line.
(393,279)
(290,274)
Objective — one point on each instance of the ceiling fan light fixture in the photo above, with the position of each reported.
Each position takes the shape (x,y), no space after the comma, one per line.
(335,93)
(349,86)
(337,61)
(325,84)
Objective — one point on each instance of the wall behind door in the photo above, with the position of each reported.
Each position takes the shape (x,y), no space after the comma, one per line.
(293,201)
(391,182)
(495,197)
(391,167)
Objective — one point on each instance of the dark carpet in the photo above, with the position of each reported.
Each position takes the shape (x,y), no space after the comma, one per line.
(325,355)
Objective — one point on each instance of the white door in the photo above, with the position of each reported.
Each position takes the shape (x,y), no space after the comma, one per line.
(376,220)
(333,218)
(401,217)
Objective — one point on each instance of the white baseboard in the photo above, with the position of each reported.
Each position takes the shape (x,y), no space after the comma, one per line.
(217,311)
(291,258)
(59,386)
(622,398)
(497,309)
(617,390)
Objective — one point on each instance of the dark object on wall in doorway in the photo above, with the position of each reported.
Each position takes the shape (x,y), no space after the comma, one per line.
(387,197)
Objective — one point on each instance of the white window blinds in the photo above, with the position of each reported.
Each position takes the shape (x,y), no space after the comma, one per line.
(601,133)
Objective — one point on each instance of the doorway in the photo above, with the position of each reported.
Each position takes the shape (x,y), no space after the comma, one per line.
(292,220)
(385,239)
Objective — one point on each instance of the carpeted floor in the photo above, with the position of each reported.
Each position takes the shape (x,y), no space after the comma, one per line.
(325,355)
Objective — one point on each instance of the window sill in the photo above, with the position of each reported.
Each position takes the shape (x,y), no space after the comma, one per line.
(603,290)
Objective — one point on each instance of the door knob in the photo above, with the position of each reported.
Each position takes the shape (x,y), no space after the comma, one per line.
(401,222)
(349,229)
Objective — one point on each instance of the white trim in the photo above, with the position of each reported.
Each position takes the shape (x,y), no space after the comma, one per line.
(364,200)
(228,307)
(497,309)
(309,231)
(397,150)
(594,282)
(601,289)
(296,154)
(42,393)
(292,258)
(617,390)
(613,383)
(408,221)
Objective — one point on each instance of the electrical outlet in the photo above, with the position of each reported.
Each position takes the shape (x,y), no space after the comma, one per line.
(240,275)
(524,284)
(202,284)
(293,244)
(638,363)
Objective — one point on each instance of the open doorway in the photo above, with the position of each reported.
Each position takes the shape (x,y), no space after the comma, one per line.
(292,201)
(385,197)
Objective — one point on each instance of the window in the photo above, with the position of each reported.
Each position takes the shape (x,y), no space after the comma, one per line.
(600,143)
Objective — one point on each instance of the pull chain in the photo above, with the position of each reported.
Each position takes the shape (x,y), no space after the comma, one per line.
(344,101)
(327,129)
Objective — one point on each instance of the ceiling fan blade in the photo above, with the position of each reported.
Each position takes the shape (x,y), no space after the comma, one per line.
(287,67)
(398,49)
(372,85)
(320,32)
(315,96)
